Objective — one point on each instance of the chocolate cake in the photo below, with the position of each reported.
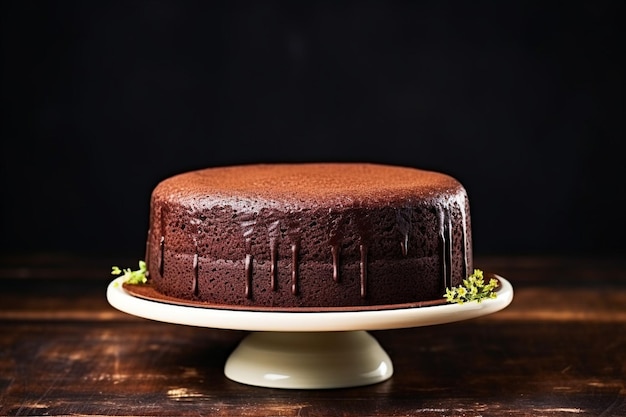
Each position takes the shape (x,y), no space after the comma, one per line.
(308,235)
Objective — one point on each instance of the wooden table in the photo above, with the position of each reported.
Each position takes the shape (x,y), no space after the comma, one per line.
(558,350)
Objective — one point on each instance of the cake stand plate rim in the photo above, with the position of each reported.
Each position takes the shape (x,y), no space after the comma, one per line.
(324,321)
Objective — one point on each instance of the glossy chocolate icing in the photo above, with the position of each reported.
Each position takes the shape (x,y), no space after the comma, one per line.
(308,235)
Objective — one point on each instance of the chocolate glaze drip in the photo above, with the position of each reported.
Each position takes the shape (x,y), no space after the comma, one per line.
(194,287)
(334,250)
(248,268)
(403,223)
(161,255)
(464,237)
(334,239)
(147,255)
(273,230)
(273,264)
(363,266)
(162,214)
(405,244)
(445,236)
(364,228)
(248,223)
(295,247)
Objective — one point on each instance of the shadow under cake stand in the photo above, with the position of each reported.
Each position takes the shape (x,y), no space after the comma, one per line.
(307,350)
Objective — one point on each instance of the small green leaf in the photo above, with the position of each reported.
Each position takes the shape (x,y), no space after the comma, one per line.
(139,276)
(473,289)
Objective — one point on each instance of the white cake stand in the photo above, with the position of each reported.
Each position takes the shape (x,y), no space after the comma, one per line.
(307,350)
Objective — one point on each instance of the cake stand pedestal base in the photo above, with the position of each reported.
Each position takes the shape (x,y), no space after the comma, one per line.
(309,360)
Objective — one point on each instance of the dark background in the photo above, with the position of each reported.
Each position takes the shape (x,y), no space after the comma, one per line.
(523,102)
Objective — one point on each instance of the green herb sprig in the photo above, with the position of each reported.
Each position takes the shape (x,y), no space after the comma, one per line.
(474,288)
(139,276)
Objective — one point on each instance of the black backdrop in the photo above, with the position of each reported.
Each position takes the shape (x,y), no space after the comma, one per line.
(523,102)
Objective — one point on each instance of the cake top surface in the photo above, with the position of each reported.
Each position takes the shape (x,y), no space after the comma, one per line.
(302,184)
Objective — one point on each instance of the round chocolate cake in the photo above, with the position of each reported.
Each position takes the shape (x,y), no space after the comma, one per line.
(308,235)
